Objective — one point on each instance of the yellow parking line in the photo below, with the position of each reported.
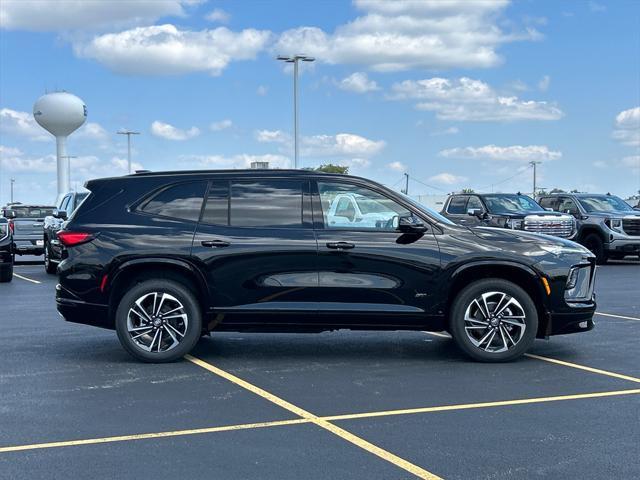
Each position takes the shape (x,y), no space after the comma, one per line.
(583,367)
(317,420)
(618,316)
(320,422)
(469,406)
(143,436)
(26,278)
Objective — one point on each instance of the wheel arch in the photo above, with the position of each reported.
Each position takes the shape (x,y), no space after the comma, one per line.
(522,275)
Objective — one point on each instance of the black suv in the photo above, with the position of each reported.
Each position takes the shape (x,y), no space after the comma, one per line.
(164,258)
(507,210)
(6,249)
(53,223)
(607,225)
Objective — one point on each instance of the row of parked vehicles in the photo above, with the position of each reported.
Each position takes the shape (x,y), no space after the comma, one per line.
(166,257)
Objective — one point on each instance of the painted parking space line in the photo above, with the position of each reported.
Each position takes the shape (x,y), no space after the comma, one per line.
(314,419)
(26,278)
(624,317)
(318,421)
(584,367)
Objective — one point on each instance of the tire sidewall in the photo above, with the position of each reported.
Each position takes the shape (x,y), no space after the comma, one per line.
(595,244)
(472,291)
(185,297)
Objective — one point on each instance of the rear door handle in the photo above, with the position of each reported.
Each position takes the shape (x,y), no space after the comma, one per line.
(214,243)
(340,245)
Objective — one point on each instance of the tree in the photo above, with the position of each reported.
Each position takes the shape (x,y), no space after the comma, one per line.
(331,168)
(468,190)
(557,190)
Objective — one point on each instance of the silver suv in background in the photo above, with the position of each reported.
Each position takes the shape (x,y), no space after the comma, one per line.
(27,221)
(607,225)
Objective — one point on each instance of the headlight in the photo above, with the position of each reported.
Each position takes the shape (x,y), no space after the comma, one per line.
(561,249)
(579,286)
(513,224)
(614,224)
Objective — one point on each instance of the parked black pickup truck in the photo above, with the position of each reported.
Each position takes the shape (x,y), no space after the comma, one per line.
(507,210)
(27,227)
(6,250)
(55,222)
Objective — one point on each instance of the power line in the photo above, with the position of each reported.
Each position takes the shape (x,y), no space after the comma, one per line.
(506,179)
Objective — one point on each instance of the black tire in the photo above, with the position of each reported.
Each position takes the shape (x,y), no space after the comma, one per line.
(6,274)
(49,266)
(594,243)
(190,306)
(525,336)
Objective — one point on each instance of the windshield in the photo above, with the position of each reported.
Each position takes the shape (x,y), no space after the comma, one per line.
(433,214)
(511,204)
(368,205)
(604,203)
(31,212)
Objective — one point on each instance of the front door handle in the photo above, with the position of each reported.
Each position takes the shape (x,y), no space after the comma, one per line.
(214,243)
(340,245)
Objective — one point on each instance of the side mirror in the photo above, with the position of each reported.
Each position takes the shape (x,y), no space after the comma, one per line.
(549,209)
(475,212)
(10,214)
(61,214)
(409,224)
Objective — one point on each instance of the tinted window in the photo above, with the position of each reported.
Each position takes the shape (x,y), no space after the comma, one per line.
(216,211)
(79,198)
(567,205)
(31,212)
(457,206)
(604,203)
(182,201)
(266,203)
(474,202)
(548,202)
(507,203)
(65,203)
(355,207)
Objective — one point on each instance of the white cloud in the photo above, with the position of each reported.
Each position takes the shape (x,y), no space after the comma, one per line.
(632,161)
(221,125)
(262,90)
(401,35)
(447,178)
(628,127)
(544,83)
(61,15)
(446,131)
(14,122)
(92,131)
(358,82)
(235,161)
(600,164)
(218,15)
(169,132)
(516,153)
(339,145)
(466,99)
(167,50)
(14,160)
(397,166)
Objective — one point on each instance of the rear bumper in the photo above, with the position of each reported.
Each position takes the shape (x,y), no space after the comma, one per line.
(28,247)
(77,311)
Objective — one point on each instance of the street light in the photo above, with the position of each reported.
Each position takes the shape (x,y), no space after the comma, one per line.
(295,59)
(128,133)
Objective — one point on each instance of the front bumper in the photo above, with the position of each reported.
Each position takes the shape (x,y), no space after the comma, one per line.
(75,310)
(561,323)
(627,245)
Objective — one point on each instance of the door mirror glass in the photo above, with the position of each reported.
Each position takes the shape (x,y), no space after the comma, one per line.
(475,212)
(60,214)
(408,224)
(10,214)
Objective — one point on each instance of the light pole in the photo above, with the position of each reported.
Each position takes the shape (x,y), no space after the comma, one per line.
(406,184)
(68,157)
(128,133)
(295,59)
(534,164)
(12,181)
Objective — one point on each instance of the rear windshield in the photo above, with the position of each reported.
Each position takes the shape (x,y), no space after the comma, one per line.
(31,212)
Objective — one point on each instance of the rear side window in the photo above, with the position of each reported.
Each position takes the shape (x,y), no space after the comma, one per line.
(456,206)
(182,201)
(266,203)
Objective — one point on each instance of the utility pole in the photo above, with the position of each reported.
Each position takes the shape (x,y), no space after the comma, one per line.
(406,184)
(128,133)
(295,59)
(534,164)
(12,181)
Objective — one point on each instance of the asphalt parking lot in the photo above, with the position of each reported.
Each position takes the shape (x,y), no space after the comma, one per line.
(351,405)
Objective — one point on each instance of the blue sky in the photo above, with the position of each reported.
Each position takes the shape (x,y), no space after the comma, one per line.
(457,93)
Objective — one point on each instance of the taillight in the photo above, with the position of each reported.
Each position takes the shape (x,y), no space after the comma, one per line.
(11,227)
(71,239)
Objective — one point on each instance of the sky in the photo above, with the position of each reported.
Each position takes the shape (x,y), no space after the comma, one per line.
(456,93)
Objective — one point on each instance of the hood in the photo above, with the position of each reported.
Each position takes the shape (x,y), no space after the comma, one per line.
(522,214)
(616,214)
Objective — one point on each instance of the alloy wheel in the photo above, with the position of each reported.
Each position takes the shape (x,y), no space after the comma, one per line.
(495,322)
(157,322)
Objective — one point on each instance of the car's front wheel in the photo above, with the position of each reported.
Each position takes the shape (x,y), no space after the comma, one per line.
(493,320)
(49,266)
(158,321)
(6,273)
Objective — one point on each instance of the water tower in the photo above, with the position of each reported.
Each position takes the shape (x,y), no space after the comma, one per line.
(60,113)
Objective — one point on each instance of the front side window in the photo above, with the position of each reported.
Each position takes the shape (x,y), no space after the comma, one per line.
(182,201)
(474,203)
(347,206)
(567,205)
(266,203)
(457,206)
(548,202)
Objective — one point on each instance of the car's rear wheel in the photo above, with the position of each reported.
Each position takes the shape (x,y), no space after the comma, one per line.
(6,274)
(158,321)
(493,320)
(49,266)
(594,243)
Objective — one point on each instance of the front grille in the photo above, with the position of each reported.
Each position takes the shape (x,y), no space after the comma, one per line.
(631,226)
(558,227)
